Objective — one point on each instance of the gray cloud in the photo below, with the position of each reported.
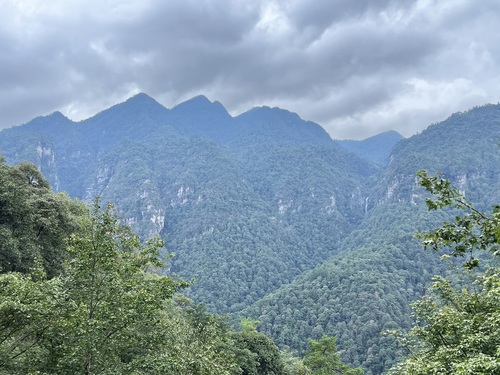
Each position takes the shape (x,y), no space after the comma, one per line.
(355,67)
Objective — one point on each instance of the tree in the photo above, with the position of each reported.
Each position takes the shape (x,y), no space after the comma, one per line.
(473,230)
(26,313)
(457,328)
(106,313)
(110,303)
(256,354)
(34,221)
(322,358)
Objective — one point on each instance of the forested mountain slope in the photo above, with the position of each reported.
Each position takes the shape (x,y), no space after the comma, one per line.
(79,294)
(246,203)
(269,216)
(381,268)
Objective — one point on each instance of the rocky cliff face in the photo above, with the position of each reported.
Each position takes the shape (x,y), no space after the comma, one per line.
(46,163)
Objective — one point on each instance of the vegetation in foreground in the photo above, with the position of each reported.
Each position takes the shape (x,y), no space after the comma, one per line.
(79,294)
(457,327)
(99,307)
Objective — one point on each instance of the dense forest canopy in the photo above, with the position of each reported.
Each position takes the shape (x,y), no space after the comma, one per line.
(457,328)
(267,217)
(87,298)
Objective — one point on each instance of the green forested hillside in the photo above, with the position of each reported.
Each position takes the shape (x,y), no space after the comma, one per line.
(269,217)
(463,148)
(80,294)
(381,268)
(356,295)
(260,197)
(34,222)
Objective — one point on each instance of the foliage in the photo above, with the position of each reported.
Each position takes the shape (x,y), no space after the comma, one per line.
(106,313)
(322,358)
(248,204)
(357,295)
(474,230)
(457,329)
(256,353)
(293,365)
(34,222)
(27,310)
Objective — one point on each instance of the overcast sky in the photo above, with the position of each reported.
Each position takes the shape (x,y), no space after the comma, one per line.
(356,67)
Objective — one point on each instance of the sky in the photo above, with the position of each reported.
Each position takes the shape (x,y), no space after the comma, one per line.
(356,67)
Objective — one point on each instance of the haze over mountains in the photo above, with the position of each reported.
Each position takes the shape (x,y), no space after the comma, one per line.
(271,217)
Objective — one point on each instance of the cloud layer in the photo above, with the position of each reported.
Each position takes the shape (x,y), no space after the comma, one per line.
(356,67)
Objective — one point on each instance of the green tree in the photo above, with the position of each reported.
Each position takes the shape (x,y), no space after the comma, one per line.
(322,358)
(34,221)
(457,328)
(110,304)
(473,230)
(294,365)
(107,313)
(27,311)
(256,354)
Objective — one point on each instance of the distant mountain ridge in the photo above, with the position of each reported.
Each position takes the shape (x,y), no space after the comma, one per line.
(380,268)
(196,175)
(376,149)
(141,117)
(269,216)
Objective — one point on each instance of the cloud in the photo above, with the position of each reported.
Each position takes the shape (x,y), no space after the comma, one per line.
(355,67)
(418,105)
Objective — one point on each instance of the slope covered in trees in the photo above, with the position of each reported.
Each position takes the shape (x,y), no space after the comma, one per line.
(271,218)
(456,328)
(105,309)
(260,197)
(381,268)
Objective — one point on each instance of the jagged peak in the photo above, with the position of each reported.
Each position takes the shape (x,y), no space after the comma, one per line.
(140,97)
(200,103)
(135,104)
(256,112)
(54,116)
(198,100)
(54,119)
(142,100)
(57,115)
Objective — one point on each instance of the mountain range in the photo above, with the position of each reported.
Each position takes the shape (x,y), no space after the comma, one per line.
(267,215)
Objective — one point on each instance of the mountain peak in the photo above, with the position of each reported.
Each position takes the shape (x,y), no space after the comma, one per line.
(376,149)
(280,124)
(57,116)
(200,104)
(141,99)
(198,99)
(136,104)
(274,112)
(54,117)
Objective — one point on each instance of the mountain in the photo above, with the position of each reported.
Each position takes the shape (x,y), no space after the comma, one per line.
(201,117)
(264,124)
(245,203)
(268,216)
(380,268)
(376,149)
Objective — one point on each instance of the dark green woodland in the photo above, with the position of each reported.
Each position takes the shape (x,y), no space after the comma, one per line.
(185,240)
